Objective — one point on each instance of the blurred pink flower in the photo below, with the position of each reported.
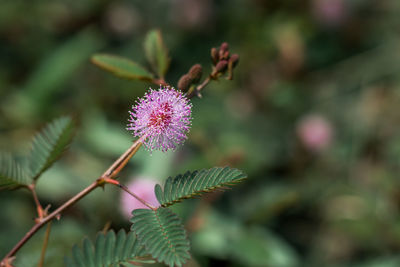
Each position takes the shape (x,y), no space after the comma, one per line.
(142,187)
(330,12)
(315,132)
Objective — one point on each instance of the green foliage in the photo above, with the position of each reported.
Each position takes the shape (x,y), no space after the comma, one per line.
(59,65)
(108,250)
(122,67)
(49,144)
(162,234)
(192,184)
(12,173)
(156,52)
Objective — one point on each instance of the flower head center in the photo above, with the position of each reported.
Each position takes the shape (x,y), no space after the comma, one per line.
(160,117)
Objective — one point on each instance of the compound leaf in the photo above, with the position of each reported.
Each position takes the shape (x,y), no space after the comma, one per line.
(49,144)
(12,174)
(109,250)
(195,183)
(162,234)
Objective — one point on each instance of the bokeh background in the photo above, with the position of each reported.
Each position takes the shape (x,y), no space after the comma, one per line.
(312,116)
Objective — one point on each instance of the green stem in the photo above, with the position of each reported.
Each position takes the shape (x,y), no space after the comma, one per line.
(45,242)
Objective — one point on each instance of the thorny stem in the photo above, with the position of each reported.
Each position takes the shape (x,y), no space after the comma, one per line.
(45,242)
(111,172)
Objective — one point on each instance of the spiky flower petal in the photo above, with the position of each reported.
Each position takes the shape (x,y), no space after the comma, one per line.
(162,117)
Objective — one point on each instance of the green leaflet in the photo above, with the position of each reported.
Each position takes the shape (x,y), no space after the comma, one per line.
(109,250)
(195,183)
(12,174)
(49,144)
(156,52)
(122,67)
(162,234)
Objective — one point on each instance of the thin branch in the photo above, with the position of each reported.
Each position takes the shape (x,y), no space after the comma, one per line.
(48,218)
(120,163)
(45,242)
(126,189)
(111,172)
(197,90)
(106,227)
(39,207)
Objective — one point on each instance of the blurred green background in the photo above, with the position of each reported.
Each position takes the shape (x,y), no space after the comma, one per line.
(312,116)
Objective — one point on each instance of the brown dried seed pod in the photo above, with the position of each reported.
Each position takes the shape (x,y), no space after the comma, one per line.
(195,73)
(214,55)
(221,66)
(184,83)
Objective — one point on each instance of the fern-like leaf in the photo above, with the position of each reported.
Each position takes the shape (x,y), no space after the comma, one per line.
(49,144)
(12,174)
(109,250)
(192,184)
(162,234)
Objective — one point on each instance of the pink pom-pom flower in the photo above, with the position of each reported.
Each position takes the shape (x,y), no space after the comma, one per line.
(161,118)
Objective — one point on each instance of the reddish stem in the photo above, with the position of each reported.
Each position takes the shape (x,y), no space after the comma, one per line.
(111,172)
(39,207)
(197,90)
(126,189)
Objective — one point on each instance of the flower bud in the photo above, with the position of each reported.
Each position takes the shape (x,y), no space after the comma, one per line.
(224,47)
(225,55)
(195,73)
(234,60)
(224,51)
(221,66)
(185,82)
(214,55)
